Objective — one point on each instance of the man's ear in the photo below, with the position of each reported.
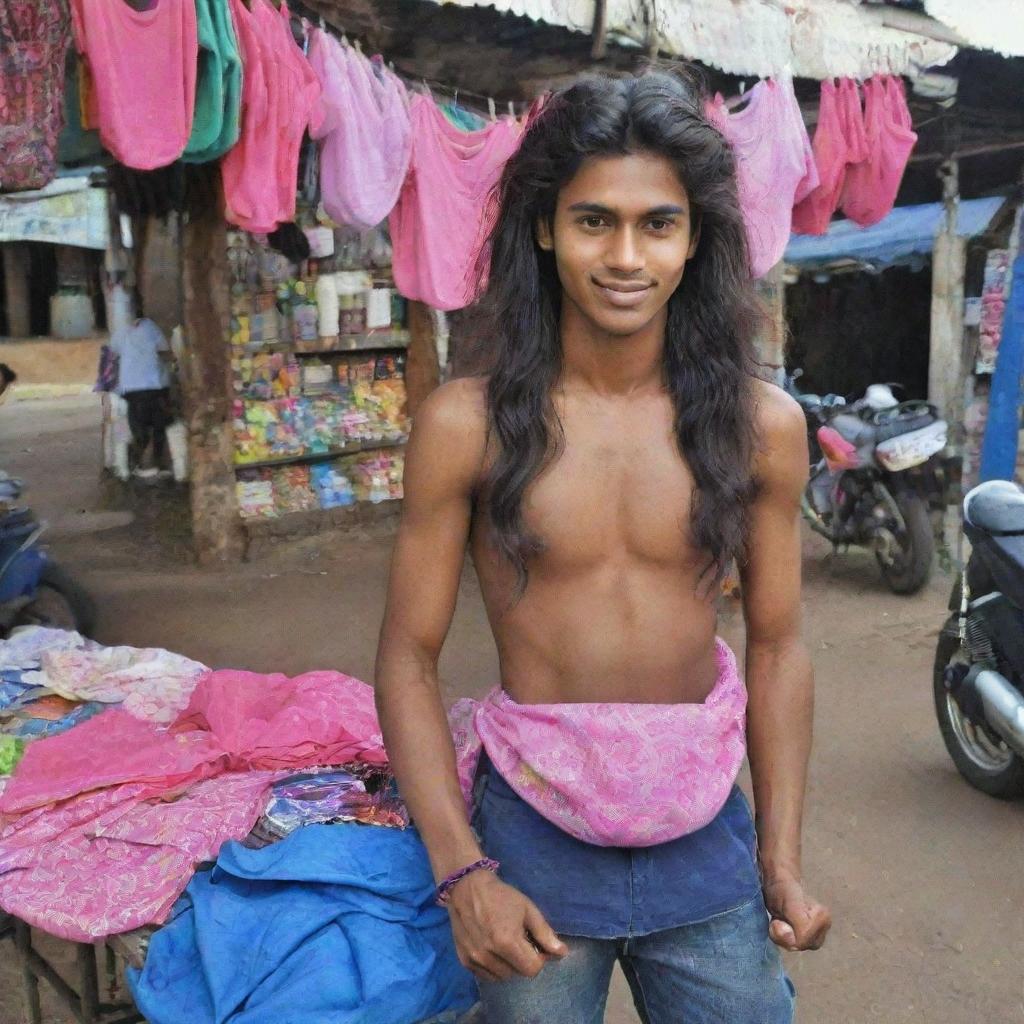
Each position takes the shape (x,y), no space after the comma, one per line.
(545,239)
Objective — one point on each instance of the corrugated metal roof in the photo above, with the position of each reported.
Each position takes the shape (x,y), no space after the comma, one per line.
(812,38)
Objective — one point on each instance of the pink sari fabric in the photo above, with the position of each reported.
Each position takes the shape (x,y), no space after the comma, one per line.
(625,775)
(102,826)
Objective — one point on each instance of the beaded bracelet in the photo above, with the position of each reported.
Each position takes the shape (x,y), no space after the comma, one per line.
(444,890)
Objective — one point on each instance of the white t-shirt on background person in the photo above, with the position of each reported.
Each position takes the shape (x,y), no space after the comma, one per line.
(138,347)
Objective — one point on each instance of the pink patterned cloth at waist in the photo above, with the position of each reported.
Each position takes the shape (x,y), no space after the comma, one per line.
(625,775)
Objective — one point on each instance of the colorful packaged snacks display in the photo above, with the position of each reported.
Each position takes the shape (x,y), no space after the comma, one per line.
(333,488)
(293,491)
(255,494)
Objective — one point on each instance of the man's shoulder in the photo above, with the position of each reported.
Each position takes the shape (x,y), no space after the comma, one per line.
(781,428)
(459,407)
(777,416)
(451,423)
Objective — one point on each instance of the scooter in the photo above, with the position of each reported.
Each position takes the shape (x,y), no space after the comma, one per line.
(34,590)
(978,680)
(878,467)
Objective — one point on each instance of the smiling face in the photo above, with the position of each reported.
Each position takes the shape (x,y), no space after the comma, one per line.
(621,236)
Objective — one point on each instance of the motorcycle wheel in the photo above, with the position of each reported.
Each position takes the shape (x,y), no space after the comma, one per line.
(907,567)
(986,764)
(60,603)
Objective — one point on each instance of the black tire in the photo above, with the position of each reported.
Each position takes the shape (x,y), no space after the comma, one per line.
(912,566)
(1006,783)
(60,602)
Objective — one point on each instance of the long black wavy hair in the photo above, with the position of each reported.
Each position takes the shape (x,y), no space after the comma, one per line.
(708,362)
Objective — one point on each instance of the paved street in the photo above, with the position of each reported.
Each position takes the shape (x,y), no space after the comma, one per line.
(922,873)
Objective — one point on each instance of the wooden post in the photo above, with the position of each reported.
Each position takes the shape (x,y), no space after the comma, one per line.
(946,362)
(206,388)
(422,373)
(770,343)
(16,274)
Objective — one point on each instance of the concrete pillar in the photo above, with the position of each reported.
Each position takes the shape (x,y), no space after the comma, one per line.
(16,291)
(946,356)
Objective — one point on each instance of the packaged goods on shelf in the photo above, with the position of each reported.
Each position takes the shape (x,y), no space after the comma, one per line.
(255,494)
(376,475)
(333,488)
(293,491)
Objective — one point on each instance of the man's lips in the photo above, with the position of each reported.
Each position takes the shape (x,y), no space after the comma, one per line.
(624,294)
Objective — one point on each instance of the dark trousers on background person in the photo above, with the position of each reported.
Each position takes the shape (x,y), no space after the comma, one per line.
(149,414)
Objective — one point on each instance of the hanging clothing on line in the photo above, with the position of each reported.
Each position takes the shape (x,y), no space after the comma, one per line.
(335,922)
(365,134)
(872,185)
(774,164)
(143,68)
(279,94)
(440,223)
(839,143)
(215,125)
(102,827)
(33,44)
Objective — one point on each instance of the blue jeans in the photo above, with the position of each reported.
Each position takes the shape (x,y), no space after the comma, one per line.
(724,970)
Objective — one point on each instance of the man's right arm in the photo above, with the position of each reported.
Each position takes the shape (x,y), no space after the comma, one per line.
(490,921)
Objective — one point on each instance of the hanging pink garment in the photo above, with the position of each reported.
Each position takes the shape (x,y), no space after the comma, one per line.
(440,222)
(279,92)
(365,133)
(102,826)
(143,66)
(775,167)
(873,184)
(839,142)
(612,774)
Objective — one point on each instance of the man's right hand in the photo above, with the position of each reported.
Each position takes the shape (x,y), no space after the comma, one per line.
(499,933)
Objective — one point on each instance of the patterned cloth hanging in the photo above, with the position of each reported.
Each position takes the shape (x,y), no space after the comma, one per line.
(34,37)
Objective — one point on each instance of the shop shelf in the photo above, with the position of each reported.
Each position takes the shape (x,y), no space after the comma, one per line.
(332,453)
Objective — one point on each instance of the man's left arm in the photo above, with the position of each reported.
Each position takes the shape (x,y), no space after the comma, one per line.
(780,681)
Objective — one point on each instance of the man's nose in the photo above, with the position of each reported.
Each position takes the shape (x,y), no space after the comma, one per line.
(625,254)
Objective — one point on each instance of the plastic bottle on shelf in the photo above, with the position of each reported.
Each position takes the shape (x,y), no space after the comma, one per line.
(328,308)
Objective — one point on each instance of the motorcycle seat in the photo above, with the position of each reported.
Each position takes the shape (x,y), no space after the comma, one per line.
(853,429)
(996,507)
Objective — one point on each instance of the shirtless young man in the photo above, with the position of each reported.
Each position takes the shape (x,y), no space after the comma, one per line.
(617,457)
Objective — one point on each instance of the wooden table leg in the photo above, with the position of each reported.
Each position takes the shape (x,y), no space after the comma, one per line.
(23,944)
(88,983)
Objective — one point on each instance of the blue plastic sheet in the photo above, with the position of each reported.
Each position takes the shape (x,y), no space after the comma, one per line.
(335,923)
(907,233)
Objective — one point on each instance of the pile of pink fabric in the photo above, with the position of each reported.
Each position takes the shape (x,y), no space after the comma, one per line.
(103,826)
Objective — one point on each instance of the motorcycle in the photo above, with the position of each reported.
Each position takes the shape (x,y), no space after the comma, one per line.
(878,468)
(34,590)
(978,679)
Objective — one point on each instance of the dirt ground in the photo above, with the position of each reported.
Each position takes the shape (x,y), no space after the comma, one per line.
(922,873)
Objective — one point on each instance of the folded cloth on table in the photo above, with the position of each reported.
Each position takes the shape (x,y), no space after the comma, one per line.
(176,795)
(26,644)
(336,922)
(149,683)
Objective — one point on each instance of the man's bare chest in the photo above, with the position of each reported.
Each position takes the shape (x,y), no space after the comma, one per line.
(613,497)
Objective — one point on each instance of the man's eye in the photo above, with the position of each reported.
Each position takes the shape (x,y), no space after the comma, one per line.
(592,222)
(658,224)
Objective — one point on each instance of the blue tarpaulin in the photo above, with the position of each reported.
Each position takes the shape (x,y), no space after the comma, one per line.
(907,233)
(335,923)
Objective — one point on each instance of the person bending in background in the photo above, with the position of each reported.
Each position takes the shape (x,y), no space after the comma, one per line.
(620,454)
(144,381)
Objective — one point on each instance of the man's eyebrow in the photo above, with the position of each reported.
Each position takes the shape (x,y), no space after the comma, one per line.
(666,210)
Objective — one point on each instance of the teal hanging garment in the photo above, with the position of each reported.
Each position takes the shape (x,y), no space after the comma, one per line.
(215,124)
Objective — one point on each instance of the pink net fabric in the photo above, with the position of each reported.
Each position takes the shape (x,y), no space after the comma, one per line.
(626,775)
